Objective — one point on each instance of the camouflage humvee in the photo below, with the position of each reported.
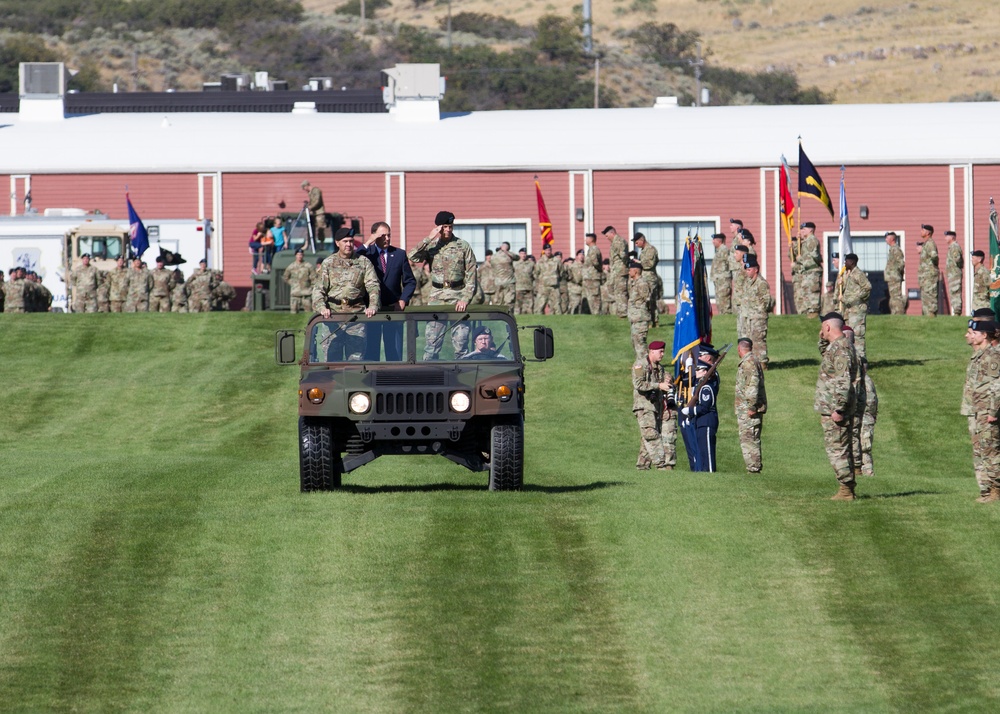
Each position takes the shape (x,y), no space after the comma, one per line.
(374,386)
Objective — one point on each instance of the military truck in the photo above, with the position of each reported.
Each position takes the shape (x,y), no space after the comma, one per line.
(463,403)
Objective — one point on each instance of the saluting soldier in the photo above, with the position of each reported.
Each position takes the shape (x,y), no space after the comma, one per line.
(453,280)
(347,283)
(651,394)
(954,263)
(895,267)
(928,274)
(854,289)
(835,401)
(751,404)
(980,281)
(84,281)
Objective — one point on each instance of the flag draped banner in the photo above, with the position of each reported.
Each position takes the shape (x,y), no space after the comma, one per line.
(844,244)
(994,259)
(136,230)
(543,218)
(693,323)
(786,201)
(810,184)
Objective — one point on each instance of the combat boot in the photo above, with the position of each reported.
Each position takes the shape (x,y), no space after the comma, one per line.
(845,493)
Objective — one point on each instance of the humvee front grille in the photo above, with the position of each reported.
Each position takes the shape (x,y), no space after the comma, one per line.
(431,378)
(410,403)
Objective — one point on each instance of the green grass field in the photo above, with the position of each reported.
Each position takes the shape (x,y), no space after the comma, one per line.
(156,554)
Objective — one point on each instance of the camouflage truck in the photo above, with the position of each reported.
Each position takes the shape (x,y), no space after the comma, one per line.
(464,404)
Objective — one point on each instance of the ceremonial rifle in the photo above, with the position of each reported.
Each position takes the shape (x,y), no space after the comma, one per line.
(693,398)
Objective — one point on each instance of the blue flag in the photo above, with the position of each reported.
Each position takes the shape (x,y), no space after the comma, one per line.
(686,326)
(136,231)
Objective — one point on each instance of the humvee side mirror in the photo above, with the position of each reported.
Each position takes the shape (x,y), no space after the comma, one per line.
(544,343)
(284,347)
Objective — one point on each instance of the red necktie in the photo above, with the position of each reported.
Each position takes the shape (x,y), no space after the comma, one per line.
(381,260)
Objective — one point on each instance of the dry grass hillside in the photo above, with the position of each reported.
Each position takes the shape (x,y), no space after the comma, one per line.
(863,52)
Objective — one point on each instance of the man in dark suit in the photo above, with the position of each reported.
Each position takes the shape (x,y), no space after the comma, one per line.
(397,282)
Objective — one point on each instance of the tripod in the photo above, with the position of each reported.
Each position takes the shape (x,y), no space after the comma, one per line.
(304,215)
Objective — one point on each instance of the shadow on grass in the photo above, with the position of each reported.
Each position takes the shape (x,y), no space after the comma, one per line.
(879,363)
(429,487)
(901,494)
(791,363)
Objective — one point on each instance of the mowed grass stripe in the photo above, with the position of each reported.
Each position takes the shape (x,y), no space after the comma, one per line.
(155,552)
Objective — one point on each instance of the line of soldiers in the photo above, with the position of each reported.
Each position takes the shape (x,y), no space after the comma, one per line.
(981,401)
(24,292)
(138,289)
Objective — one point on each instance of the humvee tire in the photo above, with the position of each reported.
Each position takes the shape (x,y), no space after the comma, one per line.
(319,463)
(507,456)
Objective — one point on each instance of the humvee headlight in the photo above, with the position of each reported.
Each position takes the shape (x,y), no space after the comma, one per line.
(360,402)
(503,391)
(460,401)
(316,395)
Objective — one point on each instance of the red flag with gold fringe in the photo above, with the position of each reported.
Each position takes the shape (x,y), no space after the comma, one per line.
(544,224)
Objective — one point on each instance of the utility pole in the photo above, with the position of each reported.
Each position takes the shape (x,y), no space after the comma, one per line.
(697,63)
(449,26)
(588,30)
(597,82)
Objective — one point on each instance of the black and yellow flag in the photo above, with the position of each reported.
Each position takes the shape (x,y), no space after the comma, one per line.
(810,184)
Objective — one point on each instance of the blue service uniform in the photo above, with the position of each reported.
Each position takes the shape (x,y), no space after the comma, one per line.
(700,426)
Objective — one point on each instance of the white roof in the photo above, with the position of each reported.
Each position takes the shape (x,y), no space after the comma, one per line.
(673,137)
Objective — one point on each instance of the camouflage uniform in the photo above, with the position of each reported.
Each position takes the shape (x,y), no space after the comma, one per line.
(199,290)
(487,281)
(317,215)
(222,293)
(868,422)
(854,290)
(639,315)
(178,296)
(43,298)
(835,393)
(574,286)
(563,286)
(84,282)
(420,275)
(524,275)
(894,269)
(954,263)
(453,280)
(159,294)
(140,282)
(300,277)
(657,426)
(503,276)
(618,277)
(980,288)
(17,294)
(593,276)
(547,272)
(649,259)
(346,285)
(755,303)
(722,277)
(750,395)
(979,401)
(118,287)
(928,278)
(739,282)
(807,277)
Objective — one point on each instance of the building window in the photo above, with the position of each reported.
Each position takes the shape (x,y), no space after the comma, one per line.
(668,236)
(491,233)
(872,253)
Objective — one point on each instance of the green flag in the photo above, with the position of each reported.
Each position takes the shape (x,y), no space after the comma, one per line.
(994,260)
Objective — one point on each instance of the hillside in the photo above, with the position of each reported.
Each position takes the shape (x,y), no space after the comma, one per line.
(878,51)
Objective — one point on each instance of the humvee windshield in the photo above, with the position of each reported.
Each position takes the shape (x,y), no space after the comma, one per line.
(355,338)
(109,247)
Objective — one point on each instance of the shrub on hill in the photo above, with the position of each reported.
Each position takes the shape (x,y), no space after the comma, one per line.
(733,86)
(484,25)
(30,48)
(665,43)
(353,7)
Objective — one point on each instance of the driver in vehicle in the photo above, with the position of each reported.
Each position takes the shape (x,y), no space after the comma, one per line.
(482,345)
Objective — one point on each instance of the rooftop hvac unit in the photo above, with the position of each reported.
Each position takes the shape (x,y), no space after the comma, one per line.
(235,82)
(320,84)
(43,78)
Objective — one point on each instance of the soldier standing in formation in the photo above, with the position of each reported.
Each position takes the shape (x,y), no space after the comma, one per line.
(617,273)
(19,293)
(835,400)
(118,286)
(751,404)
(649,259)
(547,272)
(487,279)
(755,304)
(453,280)
(740,254)
(503,275)
(651,393)
(574,283)
(300,277)
(199,288)
(317,212)
(84,282)
(895,267)
(807,272)
(347,283)
(928,274)
(722,275)
(980,281)
(854,289)
(954,263)
(139,284)
(524,283)
(639,315)
(593,274)
(981,405)
(163,284)
(178,296)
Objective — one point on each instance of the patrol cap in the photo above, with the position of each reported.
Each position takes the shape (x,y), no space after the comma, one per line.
(927,227)
(831,316)
(809,224)
(737,221)
(343,233)
(608,229)
(751,261)
(979,254)
(983,325)
(444,218)
(658,345)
